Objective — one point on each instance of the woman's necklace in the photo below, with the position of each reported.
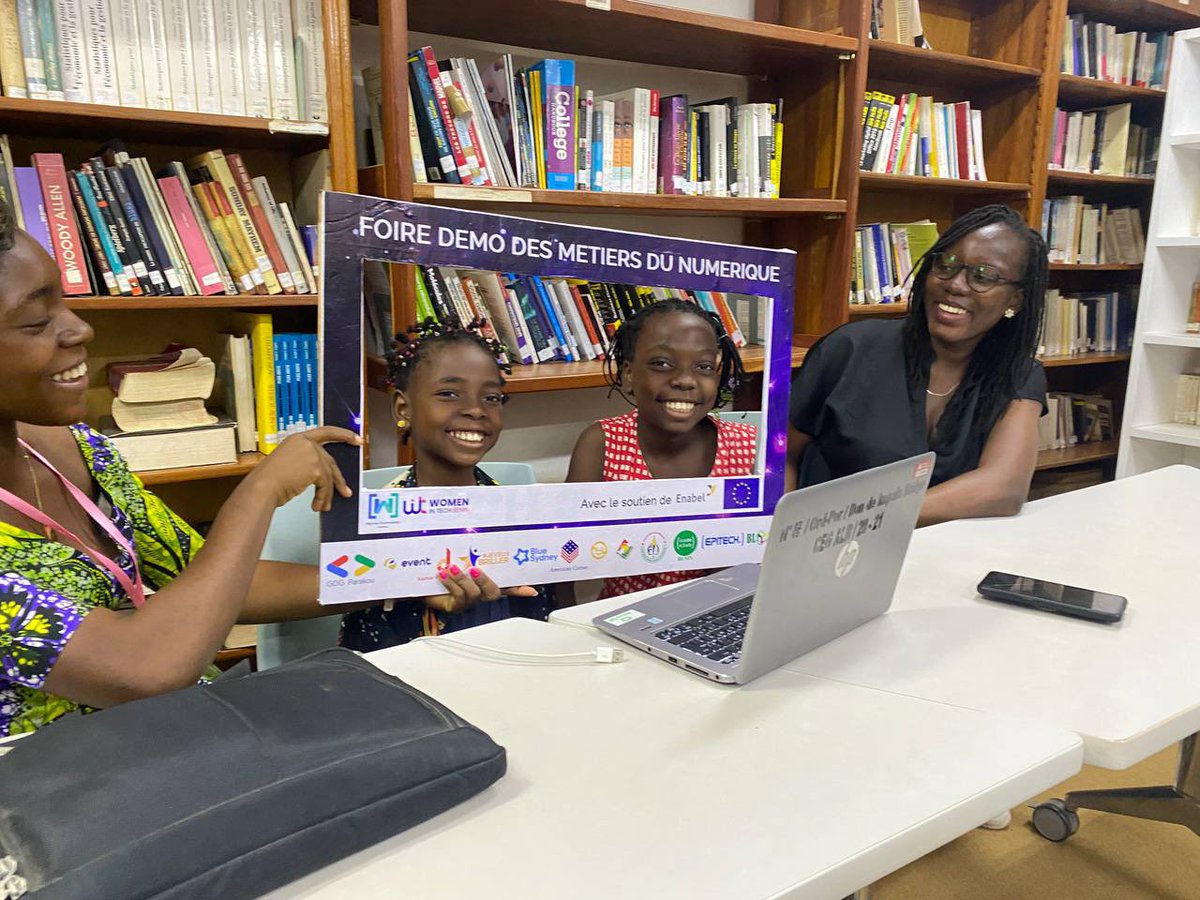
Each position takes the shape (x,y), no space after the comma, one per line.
(946,394)
(37,495)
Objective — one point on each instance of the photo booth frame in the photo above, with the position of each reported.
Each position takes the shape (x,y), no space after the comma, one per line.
(383,543)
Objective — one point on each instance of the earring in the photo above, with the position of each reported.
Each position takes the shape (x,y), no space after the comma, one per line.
(1009,313)
(402,423)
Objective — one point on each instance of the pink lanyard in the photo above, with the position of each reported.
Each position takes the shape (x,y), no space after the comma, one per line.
(133,587)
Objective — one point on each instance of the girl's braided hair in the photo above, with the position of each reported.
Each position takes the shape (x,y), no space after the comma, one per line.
(410,348)
(731,371)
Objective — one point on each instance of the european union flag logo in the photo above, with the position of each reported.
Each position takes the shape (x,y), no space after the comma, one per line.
(741,493)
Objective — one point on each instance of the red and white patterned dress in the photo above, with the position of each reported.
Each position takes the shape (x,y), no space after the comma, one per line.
(623,461)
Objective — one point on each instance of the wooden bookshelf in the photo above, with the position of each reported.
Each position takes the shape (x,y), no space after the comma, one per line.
(1085,180)
(883,181)
(885,310)
(1084,359)
(896,62)
(1077,91)
(220,301)
(1095,451)
(245,463)
(1095,267)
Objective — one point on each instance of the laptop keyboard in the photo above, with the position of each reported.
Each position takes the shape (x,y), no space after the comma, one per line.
(716,635)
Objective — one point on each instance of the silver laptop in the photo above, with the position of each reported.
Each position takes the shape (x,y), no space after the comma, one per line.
(831,563)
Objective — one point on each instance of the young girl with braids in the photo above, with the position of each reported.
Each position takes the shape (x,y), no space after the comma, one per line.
(675,363)
(449,393)
(957,375)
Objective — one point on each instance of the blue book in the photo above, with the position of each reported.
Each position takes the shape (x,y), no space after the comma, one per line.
(311,362)
(558,118)
(880,262)
(544,344)
(296,360)
(110,251)
(551,315)
(597,148)
(283,393)
(33,207)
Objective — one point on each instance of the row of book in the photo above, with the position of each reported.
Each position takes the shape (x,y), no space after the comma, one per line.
(1187,400)
(884,257)
(914,135)
(1103,141)
(198,229)
(1097,50)
(1075,419)
(898,21)
(564,319)
(261,58)
(536,127)
(1095,322)
(1084,234)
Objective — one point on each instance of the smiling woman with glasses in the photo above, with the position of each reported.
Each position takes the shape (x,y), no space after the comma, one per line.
(957,375)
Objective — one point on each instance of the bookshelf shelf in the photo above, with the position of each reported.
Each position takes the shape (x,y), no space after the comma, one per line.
(865,310)
(1180,240)
(1188,140)
(245,463)
(526,200)
(1168,433)
(880,181)
(1094,451)
(1171,339)
(1144,15)
(627,30)
(1095,267)
(1083,359)
(228,301)
(1062,177)
(1077,90)
(897,62)
(52,117)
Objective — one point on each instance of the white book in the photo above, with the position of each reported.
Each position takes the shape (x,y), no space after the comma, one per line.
(31,49)
(156,65)
(652,138)
(608,144)
(309,32)
(166,224)
(977,136)
(266,199)
(179,51)
(281,60)
(230,57)
(881,158)
(641,140)
(572,347)
(256,66)
(127,52)
(582,341)
(98,52)
(493,127)
(205,60)
(491,292)
(73,62)
(293,233)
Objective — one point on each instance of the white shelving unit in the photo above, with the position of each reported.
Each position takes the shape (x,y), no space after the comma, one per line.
(1162,349)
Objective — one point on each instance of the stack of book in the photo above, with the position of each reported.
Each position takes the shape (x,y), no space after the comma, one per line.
(201,229)
(1103,141)
(1074,419)
(1097,50)
(159,420)
(261,58)
(1085,323)
(565,319)
(898,21)
(1187,400)
(268,381)
(913,135)
(1083,234)
(884,257)
(538,128)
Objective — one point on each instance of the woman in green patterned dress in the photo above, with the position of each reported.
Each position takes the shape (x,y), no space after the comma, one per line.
(66,640)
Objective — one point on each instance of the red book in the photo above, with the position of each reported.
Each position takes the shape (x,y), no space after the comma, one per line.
(241,178)
(586,315)
(962,136)
(64,227)
(208,276)
(893,152)
(439,93)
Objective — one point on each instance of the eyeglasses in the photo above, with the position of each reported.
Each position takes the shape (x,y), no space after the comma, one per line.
(980,278)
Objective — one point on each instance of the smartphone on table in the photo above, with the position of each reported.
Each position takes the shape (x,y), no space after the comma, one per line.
(1082,603)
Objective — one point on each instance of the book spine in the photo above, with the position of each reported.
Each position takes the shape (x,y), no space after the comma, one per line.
(425,311)
(139,171)
(281,60)
(177,171)
(460,123)
(178,29)
(128,52)
(231,252)
(445,114)
(262,355)
(298,245)
(583,155)
(12,58)
(310,59)
(64,230)
(437,295)
(558,98)
(230,57)
(541,336)
(48,35)
(266,236)
(190,236)
(155,240)
(152,43)
(278,227)
(559,317)
(107,232)
(139,231)
(525,349)
(127,246)
(550,321)
(31,49)
(431,118)
(598,173)
(71,50)
(205,60)
(98,52)
(33,207)
(218,166)
(92,233)
(257,67)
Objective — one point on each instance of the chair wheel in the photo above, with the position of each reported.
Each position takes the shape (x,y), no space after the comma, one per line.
(1053,821)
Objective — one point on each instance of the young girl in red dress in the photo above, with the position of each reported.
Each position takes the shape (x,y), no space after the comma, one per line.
(676,364)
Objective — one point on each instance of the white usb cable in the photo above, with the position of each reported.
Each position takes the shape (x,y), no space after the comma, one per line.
(586,657)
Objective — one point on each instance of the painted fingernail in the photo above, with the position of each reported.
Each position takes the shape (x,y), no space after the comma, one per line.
(442,574)
(455,570)
(475,573)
